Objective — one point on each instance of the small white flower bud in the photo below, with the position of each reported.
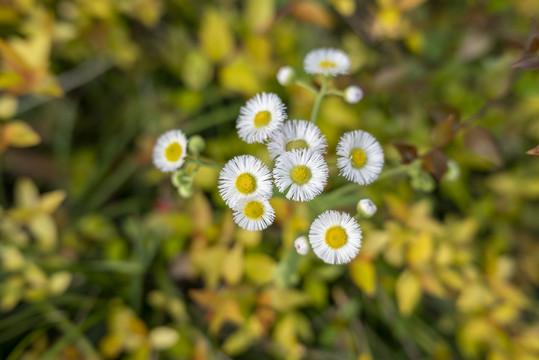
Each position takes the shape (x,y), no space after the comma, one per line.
(286,75)
(353,94)
(301,245)
(366,208)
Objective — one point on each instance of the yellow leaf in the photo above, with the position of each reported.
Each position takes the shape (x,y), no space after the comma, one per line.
(237,343)
(26,193)
(8,104)
(312,12)
(51,201)
(259,14)
(12,258)
(163,337)
(344,7)
(233,265)
(259,268)
(44,229)
(111,345)
(210,263)
(420,250)
(215,35)
(474,297)
(239,75)
(285,299)
(408,290)
(59,282)
(18,134)
(364,275)
(249,238)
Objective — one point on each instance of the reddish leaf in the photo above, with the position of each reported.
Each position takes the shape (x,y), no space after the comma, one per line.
(481,142)
(312,12)
(444,131)
(534,151)
(435,162)
(441,112)
(530,58)
(407,152)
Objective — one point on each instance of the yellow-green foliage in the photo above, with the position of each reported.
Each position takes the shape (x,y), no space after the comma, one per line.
(101,258)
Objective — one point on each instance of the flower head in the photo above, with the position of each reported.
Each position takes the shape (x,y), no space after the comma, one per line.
(366,207)
(297,134)
(353,94)
(253,213)
(361,157)
(326,61)
(303,172)
(244,176)
(260,117)
(335,237)
(170,150)
(285,75)
(302,245)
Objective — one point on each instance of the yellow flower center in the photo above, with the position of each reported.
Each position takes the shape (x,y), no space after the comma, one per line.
(173,152)
(296,144)
(327,64)
(246,183)
(262,118)
(335,237)
(359,158)
(300,174)
(253,210)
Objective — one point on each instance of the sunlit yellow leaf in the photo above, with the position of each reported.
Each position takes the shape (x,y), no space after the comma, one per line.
(12,258)
(233,265)
(163,337)
(13,292)
(248,238)
(8,104)
(473,297)
(59,282)
(18,134)
(215,35)
(26,193)
(197,72)
(111,345)
(344,7)
(44,229)
(259,268)
(51,201)
(259,14)
(237,343)
(239,75)
(408,291)
(284,299)
(420,249)
(209,262)
(364,275)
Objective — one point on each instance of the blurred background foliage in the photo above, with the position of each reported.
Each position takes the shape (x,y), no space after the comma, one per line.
(101,258)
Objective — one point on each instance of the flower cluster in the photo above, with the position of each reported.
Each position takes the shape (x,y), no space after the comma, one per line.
(300,171)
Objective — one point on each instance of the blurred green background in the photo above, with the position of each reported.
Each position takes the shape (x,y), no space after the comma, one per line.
(101,258)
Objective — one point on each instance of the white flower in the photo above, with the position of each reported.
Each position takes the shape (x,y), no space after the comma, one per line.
(260,117)
(297,134)
(170,150)
(301,245)
(244,176)
(361,157)
(353,94)
(303,172)
(253,213)
(366,207)
(328,62)
(335,237)
(285,75)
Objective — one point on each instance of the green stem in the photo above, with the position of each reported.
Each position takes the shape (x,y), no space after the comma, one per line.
(204,163)
(304,85)
(318,101)
(335,92)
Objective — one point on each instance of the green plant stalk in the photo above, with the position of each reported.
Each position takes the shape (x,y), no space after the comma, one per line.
(318,101)
(203,163)
(307,86)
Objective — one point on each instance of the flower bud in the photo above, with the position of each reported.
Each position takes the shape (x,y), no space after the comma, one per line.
(286,75)
(366,208)
(301,245)
(185,190)
(196,144)
(353,94)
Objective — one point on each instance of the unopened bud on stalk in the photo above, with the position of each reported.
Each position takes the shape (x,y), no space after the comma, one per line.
(196,144)
(301,245)
(185,190)
(366,208)
(353,94)
(286,75)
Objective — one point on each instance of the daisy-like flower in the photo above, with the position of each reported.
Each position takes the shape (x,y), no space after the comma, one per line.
(260,117)
(335,237)
(361,157)
(244,176)
(326,61)
(170,150)
(303,172)
(297,134)
(302,246)
(253,213)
